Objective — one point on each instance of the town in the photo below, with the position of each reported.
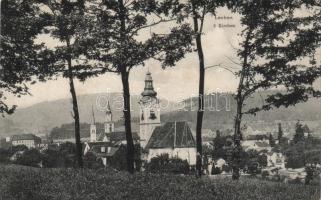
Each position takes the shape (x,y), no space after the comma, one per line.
(266,155)
(160,99)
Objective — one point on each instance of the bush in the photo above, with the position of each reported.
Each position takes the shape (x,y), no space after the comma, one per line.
(31,157)
(164,164)
(265,174)
(216,170)
(92,162)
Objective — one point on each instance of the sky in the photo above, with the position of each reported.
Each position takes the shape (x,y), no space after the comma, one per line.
(175,83)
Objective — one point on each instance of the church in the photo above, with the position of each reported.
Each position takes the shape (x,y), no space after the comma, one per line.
(155,138)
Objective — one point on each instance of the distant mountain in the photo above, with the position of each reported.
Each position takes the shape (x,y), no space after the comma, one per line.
(220,110)
(42,117)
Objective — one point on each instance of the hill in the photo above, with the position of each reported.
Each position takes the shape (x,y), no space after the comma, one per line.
(24,183)
(42,117)
(220,110)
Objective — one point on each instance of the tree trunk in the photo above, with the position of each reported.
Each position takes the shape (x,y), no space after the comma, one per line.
(128,129)
(237,142)
(126,93)
(75,109)
(240,97)
(200,111)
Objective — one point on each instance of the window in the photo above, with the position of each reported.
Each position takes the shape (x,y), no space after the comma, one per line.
(152,115)
(103,149)
(142,118)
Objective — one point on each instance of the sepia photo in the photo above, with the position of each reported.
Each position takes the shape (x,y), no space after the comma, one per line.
(160,99)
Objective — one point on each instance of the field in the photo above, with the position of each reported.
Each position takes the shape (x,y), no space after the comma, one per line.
(25,183)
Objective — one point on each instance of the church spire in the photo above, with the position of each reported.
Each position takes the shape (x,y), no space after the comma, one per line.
(109,113)
(93,113)
(149,89)
(108,108)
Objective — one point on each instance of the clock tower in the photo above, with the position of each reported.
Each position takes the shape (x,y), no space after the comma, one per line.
(149,111)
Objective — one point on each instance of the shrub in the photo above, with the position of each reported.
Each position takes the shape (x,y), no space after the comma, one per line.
(164,164)
(216,170)
(31,157)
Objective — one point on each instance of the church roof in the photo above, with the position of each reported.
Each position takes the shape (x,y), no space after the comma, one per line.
(117,136)
(171,135)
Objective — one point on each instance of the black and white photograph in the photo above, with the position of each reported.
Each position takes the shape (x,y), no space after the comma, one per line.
(160,100)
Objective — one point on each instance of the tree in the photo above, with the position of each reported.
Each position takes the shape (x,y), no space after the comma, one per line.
(66,22)
(198,10)
(271,140)
(299,133)
(113,42)
(21,22)
(271,59)
(280,133)
(219,143)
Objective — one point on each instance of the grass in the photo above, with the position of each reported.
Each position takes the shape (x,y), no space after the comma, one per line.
(61,184)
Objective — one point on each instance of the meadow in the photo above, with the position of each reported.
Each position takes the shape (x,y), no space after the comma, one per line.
(26,183)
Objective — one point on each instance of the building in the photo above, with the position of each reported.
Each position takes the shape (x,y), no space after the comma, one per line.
(275,160)
(29,140)
(105,143)
(174,139)
(102,150)
(149,111)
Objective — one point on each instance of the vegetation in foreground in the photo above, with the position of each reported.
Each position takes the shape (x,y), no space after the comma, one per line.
(18,182)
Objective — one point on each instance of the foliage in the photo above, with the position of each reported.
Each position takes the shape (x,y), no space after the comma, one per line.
(164,164)
(111,40)
(269,58)
(4,156)
(216,170)
(271,140)
(92,162)
(119,162)
(299,133)
(20,24)
(30,157)
(82,184)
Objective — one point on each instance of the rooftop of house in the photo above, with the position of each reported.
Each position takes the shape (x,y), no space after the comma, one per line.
(109,148)
(171,135)
(25,137)
(117,136)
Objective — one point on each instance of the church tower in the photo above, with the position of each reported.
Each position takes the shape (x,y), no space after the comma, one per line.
(149,111)
(93,129)
(109,124)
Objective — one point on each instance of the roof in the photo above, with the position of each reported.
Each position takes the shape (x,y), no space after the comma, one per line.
(110,148)
(117,136)
(171,135)
(262,144)
(25,137)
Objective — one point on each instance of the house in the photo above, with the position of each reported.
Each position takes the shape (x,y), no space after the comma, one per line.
(29,140)
(275,160)
(258,145)
(174,139)
(102,150)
